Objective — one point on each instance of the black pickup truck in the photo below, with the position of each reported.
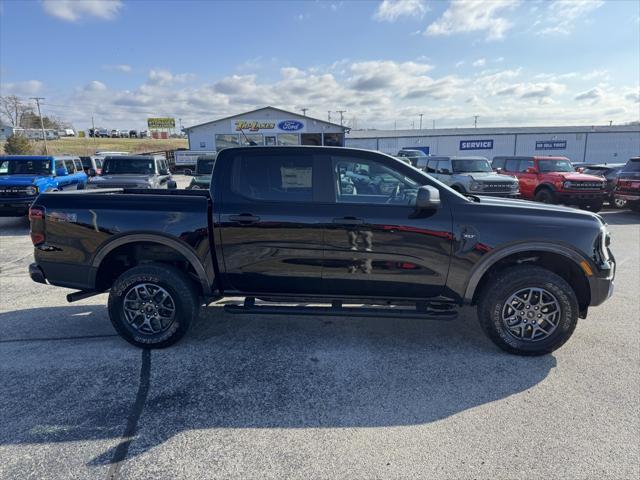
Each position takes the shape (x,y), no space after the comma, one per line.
(331,227)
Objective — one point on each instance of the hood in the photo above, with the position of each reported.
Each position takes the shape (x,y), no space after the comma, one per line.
(541,208)
(490,177)
(18,180)
(122,179)
(576,177)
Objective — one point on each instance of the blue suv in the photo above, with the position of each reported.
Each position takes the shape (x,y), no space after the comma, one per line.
(23,177)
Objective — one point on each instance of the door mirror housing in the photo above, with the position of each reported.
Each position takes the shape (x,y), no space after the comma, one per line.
(532,170)
(188,172)
(92,172)
(61,172)
(580,169)
(172,185)
(427,199)
(499,170)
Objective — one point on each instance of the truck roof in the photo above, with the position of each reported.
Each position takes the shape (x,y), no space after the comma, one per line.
(37,157)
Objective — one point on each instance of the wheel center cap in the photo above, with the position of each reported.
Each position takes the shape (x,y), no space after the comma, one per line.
(530,314)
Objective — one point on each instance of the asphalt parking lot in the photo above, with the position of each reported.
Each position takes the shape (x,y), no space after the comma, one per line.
(311,397)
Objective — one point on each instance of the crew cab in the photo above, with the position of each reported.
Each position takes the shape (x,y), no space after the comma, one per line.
(553,180)
(22,177)
(610,172)
(202,175)
(628,185)
(471,175)
(132,171)
(329,226)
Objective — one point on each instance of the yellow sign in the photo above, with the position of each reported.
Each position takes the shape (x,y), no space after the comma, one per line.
(253,125)
(161,122)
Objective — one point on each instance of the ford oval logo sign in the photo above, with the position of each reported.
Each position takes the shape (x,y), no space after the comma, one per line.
(290,125)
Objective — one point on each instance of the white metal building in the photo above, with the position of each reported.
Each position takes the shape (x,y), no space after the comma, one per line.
(264,126)
(579,144)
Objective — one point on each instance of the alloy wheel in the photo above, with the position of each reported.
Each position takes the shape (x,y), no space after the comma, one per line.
(531,314)
(149,308)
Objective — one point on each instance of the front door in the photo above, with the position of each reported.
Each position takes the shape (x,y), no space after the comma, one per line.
(373,245)
(271,236)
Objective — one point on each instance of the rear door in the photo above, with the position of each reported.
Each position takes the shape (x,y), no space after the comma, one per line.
(269,220)
(528,181)
(374,247)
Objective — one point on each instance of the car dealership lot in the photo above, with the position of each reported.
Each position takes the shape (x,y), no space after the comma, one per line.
(312,397)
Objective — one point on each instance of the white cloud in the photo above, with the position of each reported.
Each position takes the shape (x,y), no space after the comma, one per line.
(124,68)
(95,86)
(459,64)
(165,77)
(74,10)
(561,15)
(28,87)
(481,62)
(594,94)
(465,16)
(533,90)
(392,10)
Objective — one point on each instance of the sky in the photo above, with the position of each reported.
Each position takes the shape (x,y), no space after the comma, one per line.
(510,62)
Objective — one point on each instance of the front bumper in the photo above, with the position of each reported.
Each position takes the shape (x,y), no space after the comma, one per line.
(602,283)
(36,273)
(15,206)
(568,197)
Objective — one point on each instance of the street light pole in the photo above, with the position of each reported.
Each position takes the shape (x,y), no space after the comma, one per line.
(421,120)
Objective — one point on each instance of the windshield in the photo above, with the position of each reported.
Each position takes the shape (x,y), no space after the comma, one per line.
(205,167)
(471,165)
(414,153)
(555,165)
(25,167)
(128,165)
(632,166)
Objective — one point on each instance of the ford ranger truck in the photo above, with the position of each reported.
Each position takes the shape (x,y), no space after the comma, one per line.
(22,177)
(628,186)
(554,180)
(331,227)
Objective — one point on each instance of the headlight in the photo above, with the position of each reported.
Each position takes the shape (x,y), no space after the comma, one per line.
(566,184)
(31,190)
(515,186)
(475,185)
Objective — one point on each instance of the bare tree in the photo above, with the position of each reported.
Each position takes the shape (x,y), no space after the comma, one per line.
(14,109)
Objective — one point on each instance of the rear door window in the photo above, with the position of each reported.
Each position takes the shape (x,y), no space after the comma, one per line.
(524,164)
(78,164)
(71,168)
(281,178)
(431,165)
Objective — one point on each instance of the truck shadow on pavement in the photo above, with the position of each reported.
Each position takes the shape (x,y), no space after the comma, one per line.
(621,217)
(237,371)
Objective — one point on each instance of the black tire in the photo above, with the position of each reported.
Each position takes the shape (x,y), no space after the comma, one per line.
(182,297)
(617,202)
(545,195)
(595,206)
(494,303)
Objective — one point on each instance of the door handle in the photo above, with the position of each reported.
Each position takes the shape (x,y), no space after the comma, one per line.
(244,218)
(348,221)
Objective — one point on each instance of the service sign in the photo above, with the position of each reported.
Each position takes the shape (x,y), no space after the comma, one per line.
(154,123)
(551,145)
(476,144)
(268,126)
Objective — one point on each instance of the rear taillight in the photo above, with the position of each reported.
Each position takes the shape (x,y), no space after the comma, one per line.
(36,219)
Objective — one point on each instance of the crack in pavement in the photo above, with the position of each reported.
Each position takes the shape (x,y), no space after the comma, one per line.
(121,451)
(52,339)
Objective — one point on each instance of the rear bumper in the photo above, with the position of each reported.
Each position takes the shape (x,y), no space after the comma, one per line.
(36,273)
(15,207)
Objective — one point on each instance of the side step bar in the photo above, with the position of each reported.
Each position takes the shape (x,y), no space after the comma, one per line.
(422,311)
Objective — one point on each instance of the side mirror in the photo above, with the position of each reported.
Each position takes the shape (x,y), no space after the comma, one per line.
(499,170)
(61,172)
(172,185)
(91,172)
(446,171)
(428,198)
(580,169)
(188,172)
(531,170)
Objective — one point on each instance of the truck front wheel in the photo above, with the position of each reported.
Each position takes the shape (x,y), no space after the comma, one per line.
(152,306)
(545,195)
(528,310)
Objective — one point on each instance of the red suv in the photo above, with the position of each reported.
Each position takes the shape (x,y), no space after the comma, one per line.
(553,180)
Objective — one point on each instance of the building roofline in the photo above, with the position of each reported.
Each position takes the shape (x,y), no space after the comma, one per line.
(264,108)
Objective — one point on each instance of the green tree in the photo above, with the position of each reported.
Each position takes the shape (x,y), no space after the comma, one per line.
(17,145)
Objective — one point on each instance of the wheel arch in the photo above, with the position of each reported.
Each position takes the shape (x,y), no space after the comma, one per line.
(545,185)
(560,259)
(131,240)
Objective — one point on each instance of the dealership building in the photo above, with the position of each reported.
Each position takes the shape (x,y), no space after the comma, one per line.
(265,126)
(580,144)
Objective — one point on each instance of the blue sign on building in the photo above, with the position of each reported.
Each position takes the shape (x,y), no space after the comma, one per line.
(290,125)
(551,145)
(476,144)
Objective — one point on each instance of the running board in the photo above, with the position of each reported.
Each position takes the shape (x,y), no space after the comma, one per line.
(423,312)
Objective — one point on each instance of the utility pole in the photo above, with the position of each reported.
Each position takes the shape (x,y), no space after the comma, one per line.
(44,135)
(475,121)
(329,115)
(341,112)
(304,111)
(421,114)
(413,124)
(93,126)
(434,124)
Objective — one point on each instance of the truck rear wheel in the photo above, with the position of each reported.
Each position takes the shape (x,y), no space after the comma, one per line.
(528,310)
(152,306)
